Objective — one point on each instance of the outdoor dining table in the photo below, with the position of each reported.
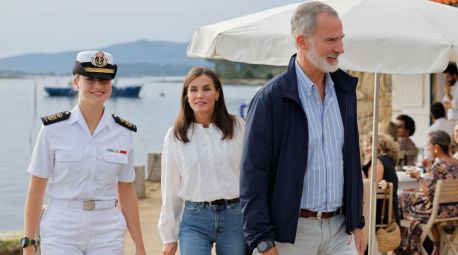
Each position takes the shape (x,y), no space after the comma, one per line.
(405,182)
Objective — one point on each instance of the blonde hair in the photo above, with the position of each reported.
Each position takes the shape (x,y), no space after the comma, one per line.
(385,145)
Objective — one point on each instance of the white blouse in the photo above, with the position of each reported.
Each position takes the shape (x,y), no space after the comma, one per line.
(206,168)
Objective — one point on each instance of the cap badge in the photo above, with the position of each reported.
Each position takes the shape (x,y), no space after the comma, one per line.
(99,60)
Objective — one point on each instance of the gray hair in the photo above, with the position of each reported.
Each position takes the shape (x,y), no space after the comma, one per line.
(440,138)
(303,20)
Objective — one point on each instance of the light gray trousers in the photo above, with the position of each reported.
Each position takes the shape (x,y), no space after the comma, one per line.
(324,237)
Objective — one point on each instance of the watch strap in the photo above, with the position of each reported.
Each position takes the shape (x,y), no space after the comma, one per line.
(25,242)
(265,245)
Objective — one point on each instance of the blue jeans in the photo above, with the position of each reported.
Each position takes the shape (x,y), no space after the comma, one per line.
(202,225)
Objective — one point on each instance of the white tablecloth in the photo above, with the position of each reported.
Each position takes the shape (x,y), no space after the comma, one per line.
(405,182)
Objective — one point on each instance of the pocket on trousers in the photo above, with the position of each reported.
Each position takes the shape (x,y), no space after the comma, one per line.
(235,208)
(43,220)
(191,208)
(122,219)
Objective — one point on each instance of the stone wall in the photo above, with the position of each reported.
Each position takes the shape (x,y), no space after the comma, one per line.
(365,96)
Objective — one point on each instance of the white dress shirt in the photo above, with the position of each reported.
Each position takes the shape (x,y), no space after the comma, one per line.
(206,168)
(440,124)
(80,165)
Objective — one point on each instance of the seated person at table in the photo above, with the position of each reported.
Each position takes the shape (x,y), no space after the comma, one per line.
(387,152)
(389,128)
(455,142)
(408,151)
(439,121)
(416,205)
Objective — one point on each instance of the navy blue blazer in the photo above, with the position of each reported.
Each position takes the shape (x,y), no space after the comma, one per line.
(274,158)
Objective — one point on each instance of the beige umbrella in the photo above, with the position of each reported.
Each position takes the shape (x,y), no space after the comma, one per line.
(382,36)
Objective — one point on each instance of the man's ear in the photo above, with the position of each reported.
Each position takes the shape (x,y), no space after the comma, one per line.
(302,42)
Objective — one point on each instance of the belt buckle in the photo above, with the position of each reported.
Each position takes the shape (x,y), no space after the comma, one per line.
(89,205)
(318,215)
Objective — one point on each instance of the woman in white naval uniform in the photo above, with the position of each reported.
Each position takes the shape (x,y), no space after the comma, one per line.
(200,173)
(86,157)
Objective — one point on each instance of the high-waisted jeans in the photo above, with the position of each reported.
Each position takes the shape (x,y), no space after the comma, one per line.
(203,224)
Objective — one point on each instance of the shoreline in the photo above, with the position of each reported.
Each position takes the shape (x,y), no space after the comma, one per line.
(163,79)
(244,82)
(9,243)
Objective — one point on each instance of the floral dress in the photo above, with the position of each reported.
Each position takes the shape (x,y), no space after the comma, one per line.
(416,206)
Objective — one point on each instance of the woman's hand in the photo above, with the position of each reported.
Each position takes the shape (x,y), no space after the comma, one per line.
(414,174)
(29,250)
(169,248)
(140,252)
(427,164)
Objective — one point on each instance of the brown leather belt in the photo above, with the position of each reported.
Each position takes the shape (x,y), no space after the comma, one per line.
(304,213)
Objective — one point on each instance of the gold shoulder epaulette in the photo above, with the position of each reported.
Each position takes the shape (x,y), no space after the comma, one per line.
(124,123)
(54,118)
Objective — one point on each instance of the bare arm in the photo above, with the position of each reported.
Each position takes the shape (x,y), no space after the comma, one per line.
(129,207)
(380,170)
(32,211)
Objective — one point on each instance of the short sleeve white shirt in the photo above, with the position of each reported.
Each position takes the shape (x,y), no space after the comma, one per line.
(79,165)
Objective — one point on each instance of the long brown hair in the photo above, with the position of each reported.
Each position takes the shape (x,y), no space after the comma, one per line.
(221,117)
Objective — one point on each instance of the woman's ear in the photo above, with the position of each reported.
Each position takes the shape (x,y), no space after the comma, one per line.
(436,148)
(75,82)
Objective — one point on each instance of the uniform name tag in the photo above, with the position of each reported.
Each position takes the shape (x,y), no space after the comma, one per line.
(117,151)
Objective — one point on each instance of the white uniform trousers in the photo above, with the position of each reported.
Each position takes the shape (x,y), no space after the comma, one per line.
(77,231)
(325,236)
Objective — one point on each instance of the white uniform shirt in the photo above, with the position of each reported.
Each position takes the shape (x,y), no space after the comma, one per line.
(204,169)
(80,165)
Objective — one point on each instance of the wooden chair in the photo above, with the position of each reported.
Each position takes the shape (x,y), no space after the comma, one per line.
(446,192)
(379,195)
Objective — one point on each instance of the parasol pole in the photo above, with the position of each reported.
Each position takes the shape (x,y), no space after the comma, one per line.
(373,183)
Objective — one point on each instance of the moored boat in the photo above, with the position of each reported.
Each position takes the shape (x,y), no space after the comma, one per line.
(127,91)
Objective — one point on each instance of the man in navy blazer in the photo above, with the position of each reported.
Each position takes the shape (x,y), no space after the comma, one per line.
(301,186)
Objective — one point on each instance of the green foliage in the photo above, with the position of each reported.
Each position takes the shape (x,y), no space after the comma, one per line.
(233,70)
(10,248)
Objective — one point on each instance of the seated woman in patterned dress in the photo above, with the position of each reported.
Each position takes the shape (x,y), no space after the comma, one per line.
(416,205)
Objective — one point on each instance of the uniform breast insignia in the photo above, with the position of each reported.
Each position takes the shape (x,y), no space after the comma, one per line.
(124,123)
(54,118)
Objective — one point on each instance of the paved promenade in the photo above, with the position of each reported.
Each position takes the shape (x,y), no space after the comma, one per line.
(149,214)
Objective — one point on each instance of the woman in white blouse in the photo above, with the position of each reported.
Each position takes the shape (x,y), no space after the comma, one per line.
(200,172)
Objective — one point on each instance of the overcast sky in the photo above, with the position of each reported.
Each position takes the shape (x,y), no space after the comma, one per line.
(28,26)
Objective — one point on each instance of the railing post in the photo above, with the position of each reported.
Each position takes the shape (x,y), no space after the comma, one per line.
(139,182)
(153,166)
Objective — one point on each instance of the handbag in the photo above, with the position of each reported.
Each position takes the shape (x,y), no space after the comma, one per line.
(388,237)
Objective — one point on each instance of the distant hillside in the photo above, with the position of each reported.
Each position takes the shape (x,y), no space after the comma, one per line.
(135,58)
